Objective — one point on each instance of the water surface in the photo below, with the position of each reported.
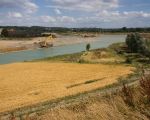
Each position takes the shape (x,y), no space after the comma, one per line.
(103,41)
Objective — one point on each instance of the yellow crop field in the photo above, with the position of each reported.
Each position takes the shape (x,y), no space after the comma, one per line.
(28,83)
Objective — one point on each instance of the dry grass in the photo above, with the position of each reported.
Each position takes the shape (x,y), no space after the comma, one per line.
(129,103)
(29,83)
(146,35)
(101,56)
(96,108)
(145,86)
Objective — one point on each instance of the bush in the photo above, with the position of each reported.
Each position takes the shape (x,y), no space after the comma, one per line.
(88,46)
(81,61)
(135,42)
(4,33)
(128,60)
(145,86)
(127,95)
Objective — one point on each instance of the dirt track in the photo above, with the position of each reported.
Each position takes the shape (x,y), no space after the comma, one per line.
(29,83)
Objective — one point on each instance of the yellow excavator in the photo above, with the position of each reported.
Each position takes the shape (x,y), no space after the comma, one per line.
(48,42)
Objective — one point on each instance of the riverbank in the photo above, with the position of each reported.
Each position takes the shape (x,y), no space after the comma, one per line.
(28,55)
(31,88)
(28,83)
(10,45)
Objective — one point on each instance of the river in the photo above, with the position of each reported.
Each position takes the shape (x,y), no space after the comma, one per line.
(27,55)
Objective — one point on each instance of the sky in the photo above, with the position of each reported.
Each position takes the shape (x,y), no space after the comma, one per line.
(75,13)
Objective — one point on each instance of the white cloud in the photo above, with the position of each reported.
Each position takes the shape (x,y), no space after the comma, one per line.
(67,19)
(57,11)
(123,15)
(84,13)
(48,19)
(85,5)
(101,19)
(136,14)
(23,5)
(15,15)
(60,19)
(103,12)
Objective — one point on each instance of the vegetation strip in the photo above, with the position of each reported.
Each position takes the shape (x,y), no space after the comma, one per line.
(86,82)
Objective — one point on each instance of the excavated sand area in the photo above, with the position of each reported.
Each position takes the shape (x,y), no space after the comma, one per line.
(28,83)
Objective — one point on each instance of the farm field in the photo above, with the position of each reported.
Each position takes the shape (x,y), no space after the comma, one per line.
(29,83)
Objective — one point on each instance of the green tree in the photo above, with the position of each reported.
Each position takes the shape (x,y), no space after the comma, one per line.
(4,33)
(135,42)
(138,44)
(124,29)
(88,46)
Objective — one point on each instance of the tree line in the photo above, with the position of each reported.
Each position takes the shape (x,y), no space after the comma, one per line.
(35,31)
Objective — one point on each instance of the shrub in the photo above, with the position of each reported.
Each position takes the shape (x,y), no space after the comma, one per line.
(81,60)
(88,46)
(137,44)
(4,33)
(128,60)
(145,86)
(127,95)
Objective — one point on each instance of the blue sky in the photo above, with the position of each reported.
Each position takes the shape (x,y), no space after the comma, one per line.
(75,13)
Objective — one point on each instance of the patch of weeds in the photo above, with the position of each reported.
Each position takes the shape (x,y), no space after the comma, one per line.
(127,95)
(82,61)
(91,81)
(128,60)
(145,86)
(66,58)
(122,80)
(75,85)
(86,82)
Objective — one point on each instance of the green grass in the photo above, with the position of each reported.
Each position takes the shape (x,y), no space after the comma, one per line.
(65,58)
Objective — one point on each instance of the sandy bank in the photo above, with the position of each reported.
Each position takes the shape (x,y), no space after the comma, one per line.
(25,44)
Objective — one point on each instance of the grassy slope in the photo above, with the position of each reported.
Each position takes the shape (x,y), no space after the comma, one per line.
(32,83)
(107,107)
(90,57)
(98,107)
(111,106)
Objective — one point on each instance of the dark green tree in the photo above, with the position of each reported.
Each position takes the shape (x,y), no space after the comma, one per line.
(4,33)
(138,44)
(88,46)
(124,29)
(135,42)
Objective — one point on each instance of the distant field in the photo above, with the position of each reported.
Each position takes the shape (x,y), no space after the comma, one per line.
(29,83)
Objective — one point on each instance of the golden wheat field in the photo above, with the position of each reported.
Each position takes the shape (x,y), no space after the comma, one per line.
(28,83)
